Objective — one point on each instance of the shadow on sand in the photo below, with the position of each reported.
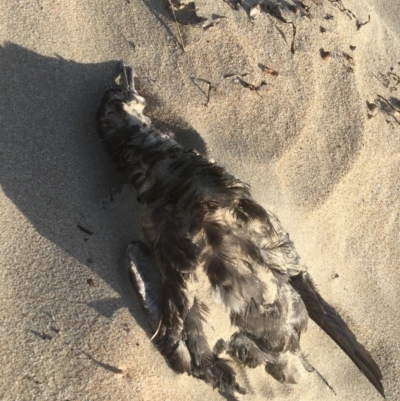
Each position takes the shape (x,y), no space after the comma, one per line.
(55,170)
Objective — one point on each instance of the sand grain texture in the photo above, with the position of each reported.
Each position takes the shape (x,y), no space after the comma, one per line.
(303,141)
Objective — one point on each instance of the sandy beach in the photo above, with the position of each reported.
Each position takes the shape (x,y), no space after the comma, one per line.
(311,123)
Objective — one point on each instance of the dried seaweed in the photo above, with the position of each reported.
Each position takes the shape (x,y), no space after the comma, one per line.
(250,86)
(350,13)
(268,71)
(349,58)
(294,36)
(343,9)
(207,92)
(360,24)
(274,10)
(171,7)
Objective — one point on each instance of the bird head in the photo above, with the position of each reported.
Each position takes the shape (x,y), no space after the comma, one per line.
(121,107)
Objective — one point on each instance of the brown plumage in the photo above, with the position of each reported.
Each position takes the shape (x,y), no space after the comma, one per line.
(198,218)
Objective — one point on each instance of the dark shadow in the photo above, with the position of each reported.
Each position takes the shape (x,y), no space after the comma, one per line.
(386,105)
(108,306)
(395,102)
(103,365)
(56,171)
(185,135)
(183,132)
(262,67)
(160,11)
(322,52)
(217,16)
(41,335)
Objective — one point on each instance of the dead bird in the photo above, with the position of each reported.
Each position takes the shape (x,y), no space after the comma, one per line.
(196,218)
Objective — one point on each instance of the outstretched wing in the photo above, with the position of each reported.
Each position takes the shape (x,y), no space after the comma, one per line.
(325,316)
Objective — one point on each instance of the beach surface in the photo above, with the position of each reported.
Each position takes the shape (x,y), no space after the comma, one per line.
(290,118)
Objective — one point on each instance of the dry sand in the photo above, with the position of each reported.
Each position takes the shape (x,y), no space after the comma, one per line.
(304,142)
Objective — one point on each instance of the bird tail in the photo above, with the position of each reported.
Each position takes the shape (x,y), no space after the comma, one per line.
(326,317)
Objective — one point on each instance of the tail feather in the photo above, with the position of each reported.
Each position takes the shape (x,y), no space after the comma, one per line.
(325,316)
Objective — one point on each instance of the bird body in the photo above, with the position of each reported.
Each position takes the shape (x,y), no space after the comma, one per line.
(211,241)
